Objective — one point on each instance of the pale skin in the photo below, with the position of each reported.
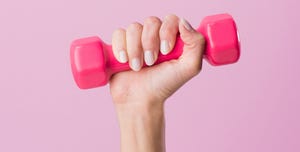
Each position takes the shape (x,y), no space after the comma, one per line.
(139,95)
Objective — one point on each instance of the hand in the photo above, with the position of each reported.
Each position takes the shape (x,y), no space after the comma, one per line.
(139,94)
(140,43)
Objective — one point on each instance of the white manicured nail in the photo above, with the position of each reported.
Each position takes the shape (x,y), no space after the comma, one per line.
(135,64)
(149,58)
(122,57)
(186,24)
(164,47)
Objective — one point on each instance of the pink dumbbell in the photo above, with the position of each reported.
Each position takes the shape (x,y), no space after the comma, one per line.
(93,62)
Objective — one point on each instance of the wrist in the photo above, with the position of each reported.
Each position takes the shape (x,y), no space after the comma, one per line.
(141,126)
(133,107)
(140,114)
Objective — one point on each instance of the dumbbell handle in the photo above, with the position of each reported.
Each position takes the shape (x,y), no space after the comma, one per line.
(114,66)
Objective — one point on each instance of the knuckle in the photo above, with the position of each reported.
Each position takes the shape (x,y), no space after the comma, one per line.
(198,41)
(118,32)
(169,27)
(133,27)
(171,17)
(152,20)
(199,38)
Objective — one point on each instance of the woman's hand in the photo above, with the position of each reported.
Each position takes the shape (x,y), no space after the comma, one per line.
(139,43)
(139,94)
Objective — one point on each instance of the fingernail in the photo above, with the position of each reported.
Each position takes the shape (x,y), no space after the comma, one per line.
(164,47)
(122,57)
(186,24)
(135,64)
(149,58)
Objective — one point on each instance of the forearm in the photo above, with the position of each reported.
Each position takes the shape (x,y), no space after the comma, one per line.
(141,127)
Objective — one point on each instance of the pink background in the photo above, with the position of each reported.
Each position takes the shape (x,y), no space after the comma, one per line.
(246,107)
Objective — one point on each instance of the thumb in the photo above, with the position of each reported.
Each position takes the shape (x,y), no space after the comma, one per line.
(190,62)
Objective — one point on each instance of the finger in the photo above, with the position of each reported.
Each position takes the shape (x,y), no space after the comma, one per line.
(134,46)
(119,45)
(150,39)
(168,33)
(194,43)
